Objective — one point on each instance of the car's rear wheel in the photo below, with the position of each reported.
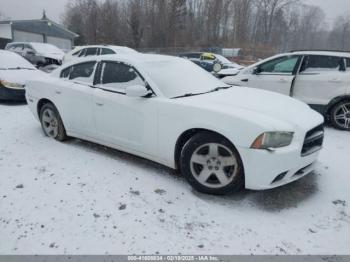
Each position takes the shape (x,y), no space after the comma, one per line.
(340,115)
(51,122)
(211,164)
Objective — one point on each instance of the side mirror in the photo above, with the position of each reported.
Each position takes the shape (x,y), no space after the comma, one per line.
(256,70)
(137,91)
(29,52)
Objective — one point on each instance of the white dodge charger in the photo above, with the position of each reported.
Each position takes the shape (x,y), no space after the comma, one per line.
(171,111)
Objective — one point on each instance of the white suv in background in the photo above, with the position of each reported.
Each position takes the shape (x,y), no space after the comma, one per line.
(93,50)
(319,78)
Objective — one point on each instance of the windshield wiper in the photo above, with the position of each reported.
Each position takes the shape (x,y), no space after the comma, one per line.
(187,95)
(197,94)
(220,88)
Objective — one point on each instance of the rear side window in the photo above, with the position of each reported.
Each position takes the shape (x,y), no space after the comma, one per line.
(107,51)
(91,51)
(317,63)
(82,72)
(117,76)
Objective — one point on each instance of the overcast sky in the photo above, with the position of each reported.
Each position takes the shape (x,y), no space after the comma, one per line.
(29,9)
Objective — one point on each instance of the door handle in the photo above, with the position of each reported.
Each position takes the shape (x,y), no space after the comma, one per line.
(283,80)
(99,104)
(245,80)
(58,92)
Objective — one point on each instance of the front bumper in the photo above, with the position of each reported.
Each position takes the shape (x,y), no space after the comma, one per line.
(9,94)
(268,170)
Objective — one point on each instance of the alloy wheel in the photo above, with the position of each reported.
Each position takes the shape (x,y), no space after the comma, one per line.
(342,115)
(50,122)
(214,165)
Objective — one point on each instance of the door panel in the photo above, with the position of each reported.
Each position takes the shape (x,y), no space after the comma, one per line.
(74,96)
(321,79)
(128,122)
(280,83)
(75,106)
(275,75)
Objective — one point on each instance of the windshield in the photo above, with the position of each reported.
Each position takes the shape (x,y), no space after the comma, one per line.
(10,60)
(177,77)
(46,48)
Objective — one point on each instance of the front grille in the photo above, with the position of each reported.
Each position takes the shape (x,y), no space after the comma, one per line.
(313,141)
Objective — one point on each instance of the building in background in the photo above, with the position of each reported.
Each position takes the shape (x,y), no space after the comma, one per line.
(40,30)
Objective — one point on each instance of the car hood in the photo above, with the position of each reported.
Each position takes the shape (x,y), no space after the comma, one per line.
(21,76)
(229,71)
(253,102)
(55,56)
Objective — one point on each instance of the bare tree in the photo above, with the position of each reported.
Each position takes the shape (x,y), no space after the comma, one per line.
(262,26)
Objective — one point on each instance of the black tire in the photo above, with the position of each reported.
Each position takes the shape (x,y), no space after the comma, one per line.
(339,118)
(201,141)
(60,135)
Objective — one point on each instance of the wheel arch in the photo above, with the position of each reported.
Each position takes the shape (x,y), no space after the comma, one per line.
(334,102)
(41,103)
(186,136)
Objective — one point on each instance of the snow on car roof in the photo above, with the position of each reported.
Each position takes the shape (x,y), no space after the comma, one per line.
(315,52)
(114,47)
(46,48)
(130,58)
(10,59)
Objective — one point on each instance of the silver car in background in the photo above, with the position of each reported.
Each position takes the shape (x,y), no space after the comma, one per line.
(39,54)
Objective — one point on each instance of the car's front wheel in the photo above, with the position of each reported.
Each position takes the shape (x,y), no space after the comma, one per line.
(51,122)
(340,115)
(211,164)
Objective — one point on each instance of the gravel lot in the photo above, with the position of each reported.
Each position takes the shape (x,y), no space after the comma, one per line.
(80,198)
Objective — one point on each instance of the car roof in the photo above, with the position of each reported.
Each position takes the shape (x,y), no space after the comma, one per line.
(29,43)
(116,47)
(132,58)
(320,52)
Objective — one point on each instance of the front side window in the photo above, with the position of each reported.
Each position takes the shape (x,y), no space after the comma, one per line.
(318,63)
(118,76)
(65,72)
(285,64)
(82,52)
(76,53)
(82,72)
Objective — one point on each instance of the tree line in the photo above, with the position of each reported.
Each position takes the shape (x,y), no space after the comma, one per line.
(267,25)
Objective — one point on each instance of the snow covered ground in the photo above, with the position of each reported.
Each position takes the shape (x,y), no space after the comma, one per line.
(81,198)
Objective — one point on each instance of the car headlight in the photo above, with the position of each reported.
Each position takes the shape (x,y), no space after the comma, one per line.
(11,85)
(271,140)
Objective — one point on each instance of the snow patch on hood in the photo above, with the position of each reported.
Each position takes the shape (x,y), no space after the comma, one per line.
(270,104)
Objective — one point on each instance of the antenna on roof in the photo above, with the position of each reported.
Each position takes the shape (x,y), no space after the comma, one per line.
(44,15)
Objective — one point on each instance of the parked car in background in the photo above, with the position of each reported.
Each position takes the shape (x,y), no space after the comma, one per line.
(93,50)
(319,78)
(39,54)
(169,110)
(14,72)
(208,60)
